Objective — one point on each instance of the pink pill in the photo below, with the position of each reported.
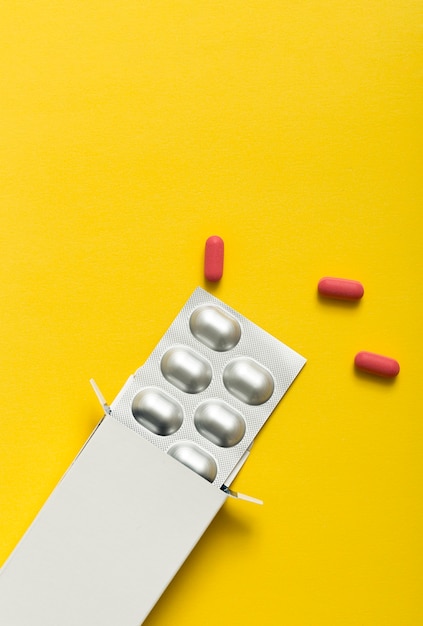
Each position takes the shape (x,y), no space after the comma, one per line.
(340,288)
(377,364)
(213,258)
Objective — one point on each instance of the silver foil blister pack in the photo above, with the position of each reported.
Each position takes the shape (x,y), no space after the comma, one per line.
(208,387)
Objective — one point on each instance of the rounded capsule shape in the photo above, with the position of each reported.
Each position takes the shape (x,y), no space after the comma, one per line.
(156,411)
(185,369)
(213,258)
(377,364)
(248,381)
(219,423)
(196,459)
(215,328)
(340,288)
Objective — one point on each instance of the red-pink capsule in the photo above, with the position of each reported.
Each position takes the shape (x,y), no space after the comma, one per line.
(377,364)
(340,288)
(213,258)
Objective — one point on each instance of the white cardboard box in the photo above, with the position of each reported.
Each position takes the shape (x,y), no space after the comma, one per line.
(110,538)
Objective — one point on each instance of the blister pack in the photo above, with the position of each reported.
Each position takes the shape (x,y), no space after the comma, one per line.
(208,388)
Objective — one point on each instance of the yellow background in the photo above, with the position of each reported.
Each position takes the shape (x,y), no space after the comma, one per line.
(130,132)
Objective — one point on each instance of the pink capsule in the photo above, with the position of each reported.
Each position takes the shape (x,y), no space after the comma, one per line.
(340,288)
(377,364)
(213,258)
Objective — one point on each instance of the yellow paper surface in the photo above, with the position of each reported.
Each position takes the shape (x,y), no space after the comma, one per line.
(130,132)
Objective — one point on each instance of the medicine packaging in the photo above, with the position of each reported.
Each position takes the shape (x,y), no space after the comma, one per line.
(152,476)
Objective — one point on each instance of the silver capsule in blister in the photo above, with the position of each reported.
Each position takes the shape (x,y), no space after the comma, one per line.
(157,411)
(215,328)
(219,423)
(248,381)
(186,369)
(195,458)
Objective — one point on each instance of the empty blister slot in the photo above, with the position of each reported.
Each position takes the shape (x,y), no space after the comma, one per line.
(219,423)
(186,369)
(215,328)
(194,457)
(248,381)
(155,410)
